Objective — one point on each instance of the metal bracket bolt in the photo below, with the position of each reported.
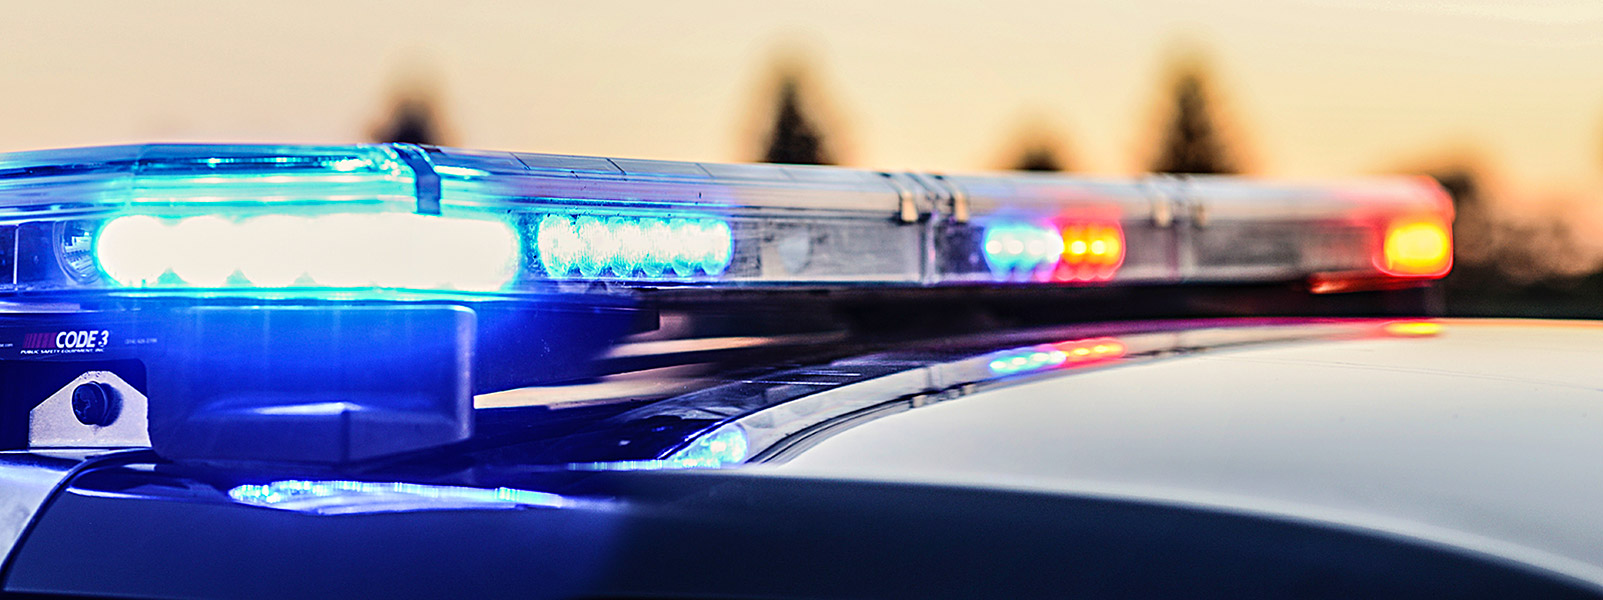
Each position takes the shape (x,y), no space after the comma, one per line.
(95,403)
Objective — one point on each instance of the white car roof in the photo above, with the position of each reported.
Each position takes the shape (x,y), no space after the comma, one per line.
(1480,434)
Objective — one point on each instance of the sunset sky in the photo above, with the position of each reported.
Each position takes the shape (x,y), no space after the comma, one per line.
(1318,88)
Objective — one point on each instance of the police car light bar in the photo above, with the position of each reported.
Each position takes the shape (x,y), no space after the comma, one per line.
(279,326)
(395,219)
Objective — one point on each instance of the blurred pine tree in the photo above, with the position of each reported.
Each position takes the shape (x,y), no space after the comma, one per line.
(412,121)
(794,137)
(1191,141)
(1039,158)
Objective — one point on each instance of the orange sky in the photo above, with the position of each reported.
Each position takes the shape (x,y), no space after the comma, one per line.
(1321,88)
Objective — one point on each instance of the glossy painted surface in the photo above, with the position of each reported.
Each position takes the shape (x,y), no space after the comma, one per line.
(1480,434)
(27,479)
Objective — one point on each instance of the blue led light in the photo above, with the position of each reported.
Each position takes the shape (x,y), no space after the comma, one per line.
(348,250)
(1021,247)
(346,497)
(628,247)
(725,446)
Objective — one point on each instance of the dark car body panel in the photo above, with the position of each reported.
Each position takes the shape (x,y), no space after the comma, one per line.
(705,535)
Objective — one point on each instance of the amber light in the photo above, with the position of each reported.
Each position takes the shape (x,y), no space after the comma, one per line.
(1417,248)
(1082,351)
(1414,328)
(1091,251)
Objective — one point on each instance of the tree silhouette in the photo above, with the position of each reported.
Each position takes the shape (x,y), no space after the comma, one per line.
(1474,238)
(794,138)
(1039,157)
(1463,186)
(413,120)
(414,114)
(1478,231)
(1037,149)
(1191,141)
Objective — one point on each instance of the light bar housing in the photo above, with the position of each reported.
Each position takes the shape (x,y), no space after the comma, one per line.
(396,220)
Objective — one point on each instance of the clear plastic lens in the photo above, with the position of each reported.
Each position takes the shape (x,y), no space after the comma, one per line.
(386,250)
(633,247)
(75,241)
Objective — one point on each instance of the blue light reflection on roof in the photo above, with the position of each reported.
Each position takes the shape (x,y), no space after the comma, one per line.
(352,497)
(1029,359)
(1047,356)
(726,446)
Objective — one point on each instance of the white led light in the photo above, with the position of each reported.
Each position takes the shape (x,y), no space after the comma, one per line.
(132,250)
(344,247)
(204,250)
(475,256)
(385,250)
(274,250)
